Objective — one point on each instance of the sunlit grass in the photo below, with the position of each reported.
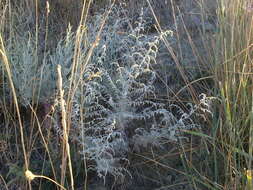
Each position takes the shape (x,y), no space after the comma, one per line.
(233,71)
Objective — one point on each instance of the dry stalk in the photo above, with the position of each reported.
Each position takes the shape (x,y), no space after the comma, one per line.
(65,145)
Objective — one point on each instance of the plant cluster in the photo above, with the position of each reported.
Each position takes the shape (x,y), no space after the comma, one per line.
(115,106)
(116,110)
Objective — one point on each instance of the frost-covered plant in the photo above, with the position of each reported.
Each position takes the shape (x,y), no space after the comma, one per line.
(24,67)
(120,110)
(117,99)
(34,75)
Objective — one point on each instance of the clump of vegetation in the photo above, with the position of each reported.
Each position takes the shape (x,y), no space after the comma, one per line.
(233,74)
(115,110)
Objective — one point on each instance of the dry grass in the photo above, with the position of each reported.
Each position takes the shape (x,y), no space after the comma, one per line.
(233,74)
(226,54)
